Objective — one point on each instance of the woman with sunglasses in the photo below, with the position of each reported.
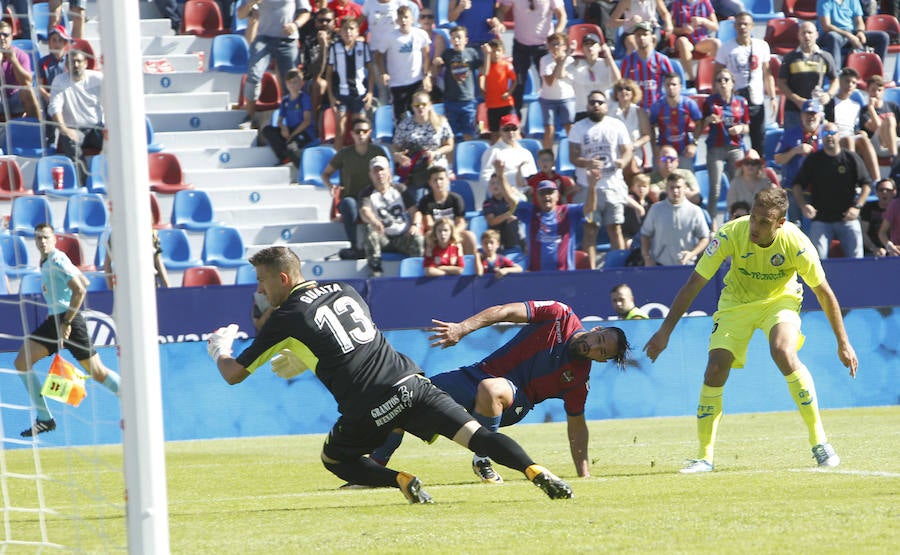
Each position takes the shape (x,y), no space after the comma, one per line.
(627,95)
(727,118)
(423,139)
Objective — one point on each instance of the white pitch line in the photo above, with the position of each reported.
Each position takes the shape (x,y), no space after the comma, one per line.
(877,473)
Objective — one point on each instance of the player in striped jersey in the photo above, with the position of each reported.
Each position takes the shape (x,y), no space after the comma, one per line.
(645,66)
(695,28)
(673,118)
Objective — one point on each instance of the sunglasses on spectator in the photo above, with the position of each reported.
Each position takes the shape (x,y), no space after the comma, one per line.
(667,159)
(828,133)
(361,131)
(420,105)
(723,79)
(324,21)
(885,190)
(426,16)
(5,35)
(510,128)
(597,101)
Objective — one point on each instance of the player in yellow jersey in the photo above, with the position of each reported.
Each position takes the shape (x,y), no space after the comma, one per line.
(761,291)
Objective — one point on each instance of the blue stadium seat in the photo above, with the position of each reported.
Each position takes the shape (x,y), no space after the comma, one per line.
(773,137)
(414,266)
(532,89)
(97,175)
(96,281)
(223,247)
(238,25)
(28,46)
(4,285)
(229,53)
(102,244)
(192,210)
(86,214)
(762,10)
(43,176)
(892,94)
(534,122)
(30,284)
(24,137)
(40,20)
(313,161)
(28,212)
(533,145)
(383,130)
(478,225)
(176,250)
(245,275)
(564,166)
(152,145)
(468,159)
(469,265)
(463,189)
(15,260)
(438,107)
(703,182)
(442,14)
(726,30)
(616,258)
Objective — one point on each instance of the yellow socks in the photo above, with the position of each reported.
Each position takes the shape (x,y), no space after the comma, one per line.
(803,391)
(709,412)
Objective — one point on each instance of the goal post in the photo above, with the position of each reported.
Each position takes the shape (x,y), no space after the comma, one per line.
(135,303)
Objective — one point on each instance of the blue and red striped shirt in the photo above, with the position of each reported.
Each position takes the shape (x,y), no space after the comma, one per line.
(675,126)
(648,74)
(684,10)
(537,359)
(551,235)
(732,113)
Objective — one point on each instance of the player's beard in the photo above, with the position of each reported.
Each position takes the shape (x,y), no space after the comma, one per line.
(579,347)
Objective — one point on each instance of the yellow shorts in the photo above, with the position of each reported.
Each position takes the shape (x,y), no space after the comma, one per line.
(734,326)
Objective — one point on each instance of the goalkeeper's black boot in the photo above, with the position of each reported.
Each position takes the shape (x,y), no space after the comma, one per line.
(39,427)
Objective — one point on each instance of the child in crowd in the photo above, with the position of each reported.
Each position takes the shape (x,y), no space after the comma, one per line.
(738,209)
(460,62)
(557,97)
(546,162)
(443,250)
(497,80)
(499,208)
(636,206)
(350,78)
(296,127)
(490,261)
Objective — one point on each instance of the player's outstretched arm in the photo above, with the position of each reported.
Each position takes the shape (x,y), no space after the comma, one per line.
(448,334)
(576,426)
(832,308)
(219,347)
(680,304)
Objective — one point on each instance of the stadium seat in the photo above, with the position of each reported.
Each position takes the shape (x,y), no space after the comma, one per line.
(413,266)
(726,30)
(533,145)
(86,214)
(71,246)
(165,173)
(892,95)
(238,25)
(706,73)
(96,179)
(96,281)
(532,88)
(192,210)
(156,215)
(468,159)
(773,137)
(582,260)
(781,34)
(269,93)
(700,99)
(469,265)
(866,64)
(40,20)
(27,212)
(25,138)
(11,184)
(89,56)
(887,23)
(152,145)
(30,284)
(4,285)
(176,250)
(312,162)
(229,53)
(616,258)
(384,124)
(202,18)
(463,189)
(14,257)
(102,245)
(762,10)
(442,14)
(534,122)
(223,247)
(577,32)
(478,225)
(198,276)
(703,182)
(800,9)
(245,275)
(564,166)
(43,176)
(328,129)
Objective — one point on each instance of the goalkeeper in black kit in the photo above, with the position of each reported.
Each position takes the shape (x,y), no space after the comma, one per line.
(328,327)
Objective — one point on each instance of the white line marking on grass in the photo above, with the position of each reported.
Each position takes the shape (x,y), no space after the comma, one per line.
(877,473)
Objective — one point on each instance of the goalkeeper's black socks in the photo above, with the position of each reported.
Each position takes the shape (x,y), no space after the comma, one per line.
(501,449)
(365,472)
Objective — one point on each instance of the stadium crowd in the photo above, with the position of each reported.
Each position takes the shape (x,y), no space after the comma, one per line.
(672,113)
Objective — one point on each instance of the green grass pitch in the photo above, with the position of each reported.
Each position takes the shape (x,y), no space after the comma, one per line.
(272,495)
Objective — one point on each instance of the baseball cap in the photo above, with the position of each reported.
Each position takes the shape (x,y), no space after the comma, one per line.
(509,119)
(61,31)
(379,162)
(811,106)
(590,37)
(644,26)
(546,185)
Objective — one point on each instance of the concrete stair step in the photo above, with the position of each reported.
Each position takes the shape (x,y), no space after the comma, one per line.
(149,28)
(292,232)
(232,177)
(168,45)
(172,63)
(342,269)
(208,81)
(197,120)
(203,139)
(308,251)
(225,157)
(252,216)
(177,102)
(273,196)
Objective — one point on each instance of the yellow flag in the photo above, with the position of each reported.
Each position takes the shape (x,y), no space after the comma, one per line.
(64,383)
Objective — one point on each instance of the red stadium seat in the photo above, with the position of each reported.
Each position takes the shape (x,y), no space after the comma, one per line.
(706,73)
(269,94)
(782,35)
(202,18)
(70,245)
(582,261)
(85,46)
(11,180)
(801,9)
(156,215)
(578,31)
(166,176)
(888,24)
(866,64)
(199,276)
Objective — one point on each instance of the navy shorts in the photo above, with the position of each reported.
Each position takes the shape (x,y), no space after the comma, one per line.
(413,404)
(78,343)
(348,103)
(462,386)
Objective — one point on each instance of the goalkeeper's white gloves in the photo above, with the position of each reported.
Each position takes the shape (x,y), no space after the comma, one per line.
(219,343)
(286,364)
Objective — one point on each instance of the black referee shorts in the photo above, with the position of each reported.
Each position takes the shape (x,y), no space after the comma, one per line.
(78,343)
(413,404)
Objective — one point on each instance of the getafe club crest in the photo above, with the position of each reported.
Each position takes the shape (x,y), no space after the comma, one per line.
(777,259)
